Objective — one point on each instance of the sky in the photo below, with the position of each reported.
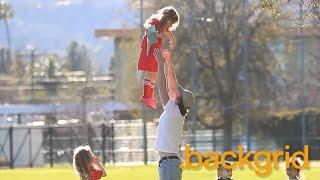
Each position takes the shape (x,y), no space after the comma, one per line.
(50,25)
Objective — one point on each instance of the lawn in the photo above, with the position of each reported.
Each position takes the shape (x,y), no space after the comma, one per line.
(140,173)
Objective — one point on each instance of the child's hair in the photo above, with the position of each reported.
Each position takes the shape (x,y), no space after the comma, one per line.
(298,162)
(163,15)
(82,156)
(220,167)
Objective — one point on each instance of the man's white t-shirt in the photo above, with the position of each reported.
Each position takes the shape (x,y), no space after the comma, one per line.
(170,129)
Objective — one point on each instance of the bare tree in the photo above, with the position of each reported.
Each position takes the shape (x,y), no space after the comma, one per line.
(219,57)
(5,14)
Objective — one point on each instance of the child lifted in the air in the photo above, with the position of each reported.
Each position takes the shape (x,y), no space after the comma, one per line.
(159,25)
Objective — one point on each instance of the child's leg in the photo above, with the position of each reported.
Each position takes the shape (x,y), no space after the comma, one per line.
(152,76)
(149,84)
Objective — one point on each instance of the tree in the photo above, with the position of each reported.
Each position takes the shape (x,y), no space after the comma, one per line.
(2,60)
(308,19)
(47,68)
(77,57)
(18,67)
(5,60)
(218,40)
(316,57)
(5,14)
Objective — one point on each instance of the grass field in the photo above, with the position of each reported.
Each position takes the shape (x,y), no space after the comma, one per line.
(141,173)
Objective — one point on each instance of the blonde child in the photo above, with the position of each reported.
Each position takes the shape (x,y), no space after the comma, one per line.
(159,25)
(223,173)
(87,164)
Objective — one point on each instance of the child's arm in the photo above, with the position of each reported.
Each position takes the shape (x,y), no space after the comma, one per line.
(151,33)
(99,166)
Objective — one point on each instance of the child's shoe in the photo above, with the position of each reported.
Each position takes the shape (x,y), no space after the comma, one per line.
(149,102)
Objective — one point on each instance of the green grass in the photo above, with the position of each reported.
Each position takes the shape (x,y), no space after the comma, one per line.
(141,173)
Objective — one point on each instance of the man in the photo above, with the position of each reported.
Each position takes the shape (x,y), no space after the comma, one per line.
(178,102)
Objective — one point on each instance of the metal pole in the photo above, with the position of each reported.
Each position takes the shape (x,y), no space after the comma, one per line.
(214,144)
(84,99)
(11,147)
(302,84)
(193,70)
(144,113)
(145,142)
(19,118)
(112,143)
(246,131)
(51,146)
(104,134)
(30,148)
(71,139)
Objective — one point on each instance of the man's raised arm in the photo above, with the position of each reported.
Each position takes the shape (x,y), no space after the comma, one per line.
(162,86)
(171,76)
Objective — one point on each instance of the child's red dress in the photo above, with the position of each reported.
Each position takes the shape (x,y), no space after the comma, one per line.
(149,62)
(94,173)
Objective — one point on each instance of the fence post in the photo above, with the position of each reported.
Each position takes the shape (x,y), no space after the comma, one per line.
(30,148)
(50,146)
(112,142)
(19,118)
(71,143)
(145,142)
(214,140)
(104,134)
(318,124)
(11,146)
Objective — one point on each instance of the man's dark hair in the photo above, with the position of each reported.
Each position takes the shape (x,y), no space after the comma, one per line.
(182,109)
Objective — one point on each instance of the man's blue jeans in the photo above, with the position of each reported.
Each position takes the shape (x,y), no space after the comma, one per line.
(169,169)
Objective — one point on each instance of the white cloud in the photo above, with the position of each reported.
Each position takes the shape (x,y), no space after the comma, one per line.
(69,2)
